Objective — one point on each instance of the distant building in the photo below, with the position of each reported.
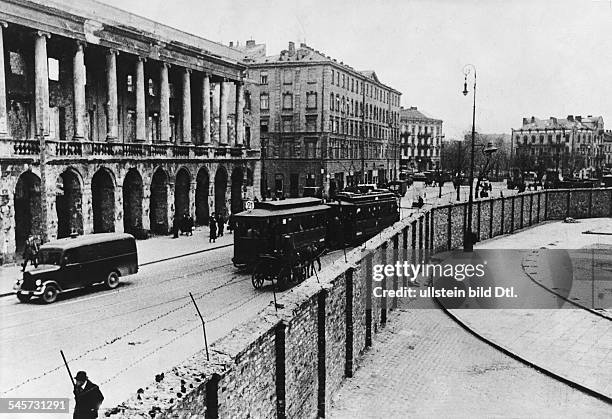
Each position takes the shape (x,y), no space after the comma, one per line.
(421,140)
(572,145)
(321,122)
(607,149)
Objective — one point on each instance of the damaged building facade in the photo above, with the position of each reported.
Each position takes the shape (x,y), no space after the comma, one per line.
(112,122)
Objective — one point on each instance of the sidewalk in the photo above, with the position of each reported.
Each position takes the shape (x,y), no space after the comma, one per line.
(151,250)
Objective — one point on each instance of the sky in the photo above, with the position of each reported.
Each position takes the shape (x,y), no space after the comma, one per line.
(533,57)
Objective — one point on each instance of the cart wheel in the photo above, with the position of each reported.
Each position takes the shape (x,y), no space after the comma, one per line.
(257,279)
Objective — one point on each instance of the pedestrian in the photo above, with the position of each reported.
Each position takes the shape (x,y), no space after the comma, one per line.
(220,224)
(230,223)
(212,225)
(175,227)
(30,252)
(88,397)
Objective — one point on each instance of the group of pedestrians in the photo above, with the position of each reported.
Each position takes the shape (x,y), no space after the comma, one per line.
(216,224)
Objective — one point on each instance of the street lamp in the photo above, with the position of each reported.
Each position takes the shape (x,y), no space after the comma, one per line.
(468,235)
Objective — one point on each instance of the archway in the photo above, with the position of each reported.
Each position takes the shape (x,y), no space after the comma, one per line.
(132,203)
(220,189)
(158,205)
(27,208)
(236,200)
(201,197)
(68,201)
(103,201)
(181,194)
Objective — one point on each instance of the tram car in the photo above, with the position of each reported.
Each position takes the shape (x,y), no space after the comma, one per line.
(281,240)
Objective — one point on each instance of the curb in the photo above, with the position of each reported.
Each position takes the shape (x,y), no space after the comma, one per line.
(7,294)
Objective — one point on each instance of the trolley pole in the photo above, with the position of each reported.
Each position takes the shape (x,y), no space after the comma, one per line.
(203,326)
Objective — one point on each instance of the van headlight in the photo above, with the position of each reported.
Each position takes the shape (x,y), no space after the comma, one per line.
(38,282)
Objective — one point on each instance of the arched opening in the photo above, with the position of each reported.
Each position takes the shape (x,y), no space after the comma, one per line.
(158,205)
(236,200)
(132,203)
(68,201)
(27,208)
(201,197)
(181,194)
(103,202)
(220,188)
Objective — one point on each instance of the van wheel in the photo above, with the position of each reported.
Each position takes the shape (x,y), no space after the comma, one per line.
(50,294)
(112,280)
(24,298)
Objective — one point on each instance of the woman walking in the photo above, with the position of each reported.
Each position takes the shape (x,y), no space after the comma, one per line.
(212,225)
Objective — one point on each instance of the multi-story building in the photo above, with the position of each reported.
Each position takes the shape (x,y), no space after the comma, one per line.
(607,149)
(572,145)
(421,140)
(112,122)
(321,122)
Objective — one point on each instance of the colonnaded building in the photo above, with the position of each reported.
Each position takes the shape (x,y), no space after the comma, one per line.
(112,122)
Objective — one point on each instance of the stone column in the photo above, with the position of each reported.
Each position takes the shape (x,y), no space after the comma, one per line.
(187,106)
(41,84)
(239,114)
(206,108)
(223,115)
(215,100)
(78,78)
(4,131)
(112,129)
(141,117)
(164,104)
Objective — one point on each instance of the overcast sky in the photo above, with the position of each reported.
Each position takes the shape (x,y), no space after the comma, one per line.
(536,57)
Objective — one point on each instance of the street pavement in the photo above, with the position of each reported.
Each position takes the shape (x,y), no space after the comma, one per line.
(123,337)
(426,365)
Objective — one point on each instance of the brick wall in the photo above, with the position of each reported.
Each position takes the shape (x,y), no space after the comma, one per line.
(290,362)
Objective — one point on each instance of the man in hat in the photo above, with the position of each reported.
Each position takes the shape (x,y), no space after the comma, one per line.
(88,397)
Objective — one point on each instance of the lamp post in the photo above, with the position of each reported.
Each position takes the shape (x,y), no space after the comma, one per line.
(468,235)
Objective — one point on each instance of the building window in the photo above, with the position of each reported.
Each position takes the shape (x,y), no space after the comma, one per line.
(310,148)
(17,63)
(263,77)
(331,101)
(311,100)
(263,126)
(288,76)
(264,102)
(312,75)
(311,123)
(53,68)
(247,100)
(151,88)
(343,81)
(287,101)
(130,83)
(287,124)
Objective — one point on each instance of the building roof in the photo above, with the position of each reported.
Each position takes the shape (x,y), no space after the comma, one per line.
(413,114)
(571,122)
(95,16)
(302,55)
(72,242)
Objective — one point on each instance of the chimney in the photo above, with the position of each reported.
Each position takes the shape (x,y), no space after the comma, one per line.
(570,118)
(250,43)
(579,118)
(532,119)
(291,49)
(413,108)
(525,121)
(231,44)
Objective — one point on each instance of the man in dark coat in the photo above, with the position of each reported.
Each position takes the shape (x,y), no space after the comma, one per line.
(88,397)
(220,224)
(212,225)
(30,252)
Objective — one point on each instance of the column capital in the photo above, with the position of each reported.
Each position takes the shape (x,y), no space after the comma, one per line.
(188,70)
(80,45)
(140,58)
(165,64)
(42,33)
(112,51)
(3,24)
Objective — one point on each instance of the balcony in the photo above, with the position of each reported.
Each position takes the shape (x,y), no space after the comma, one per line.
(75,149)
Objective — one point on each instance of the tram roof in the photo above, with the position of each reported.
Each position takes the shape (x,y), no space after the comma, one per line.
(355,198)
(283,212)
(287,203)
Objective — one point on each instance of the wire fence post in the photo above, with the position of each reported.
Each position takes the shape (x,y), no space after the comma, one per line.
(203,326)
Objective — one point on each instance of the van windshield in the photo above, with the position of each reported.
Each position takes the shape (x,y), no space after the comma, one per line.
(50,257)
